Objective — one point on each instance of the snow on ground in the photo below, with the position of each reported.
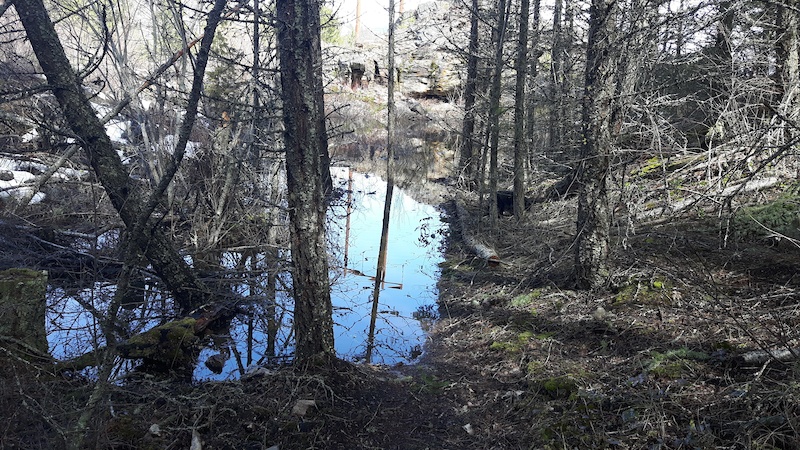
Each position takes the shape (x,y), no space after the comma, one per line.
(15,187)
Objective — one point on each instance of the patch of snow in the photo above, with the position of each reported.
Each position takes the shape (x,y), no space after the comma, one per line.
(168,142)
(30,136)
(192,149)
(101,110)
(15,188)
(116,129)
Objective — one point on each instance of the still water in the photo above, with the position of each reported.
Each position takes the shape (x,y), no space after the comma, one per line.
(407,297)
(408,294)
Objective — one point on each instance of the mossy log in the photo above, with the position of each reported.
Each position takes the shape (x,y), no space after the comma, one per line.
(171,347)
(172,344)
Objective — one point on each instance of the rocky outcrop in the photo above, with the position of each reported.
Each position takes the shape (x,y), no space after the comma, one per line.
(427,63)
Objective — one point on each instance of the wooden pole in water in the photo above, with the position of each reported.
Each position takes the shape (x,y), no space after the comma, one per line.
(347,218)
(387,205)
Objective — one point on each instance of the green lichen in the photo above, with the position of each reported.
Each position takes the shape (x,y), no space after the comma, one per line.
(651,166)
(534,367)
(171,344)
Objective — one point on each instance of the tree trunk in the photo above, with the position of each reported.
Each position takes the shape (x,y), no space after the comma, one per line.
(305,139)
(787,72)
(591,250)
(494,110)
(127,198)
(554,134)
(467,161)
(520,143)
(533,73)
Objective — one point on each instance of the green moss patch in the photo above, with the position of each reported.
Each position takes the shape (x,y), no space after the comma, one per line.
(781,216)
(526,300)
(672,363)
(657,291)
(514,345)
(560,387)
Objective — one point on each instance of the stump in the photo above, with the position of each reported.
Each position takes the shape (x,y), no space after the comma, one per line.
(22,312)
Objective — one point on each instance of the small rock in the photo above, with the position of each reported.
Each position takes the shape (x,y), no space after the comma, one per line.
(155,429)
(301,407)
(601,315)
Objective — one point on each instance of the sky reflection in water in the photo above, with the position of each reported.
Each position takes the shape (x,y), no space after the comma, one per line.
(414,252)
(412,262)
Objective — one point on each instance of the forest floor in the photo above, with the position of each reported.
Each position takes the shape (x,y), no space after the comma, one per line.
(518,359)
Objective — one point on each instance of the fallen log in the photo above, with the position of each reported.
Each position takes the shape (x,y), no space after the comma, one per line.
(171,347)
(762,356)
(479,248)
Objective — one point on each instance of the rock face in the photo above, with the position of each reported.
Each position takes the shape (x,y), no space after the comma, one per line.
(426,58)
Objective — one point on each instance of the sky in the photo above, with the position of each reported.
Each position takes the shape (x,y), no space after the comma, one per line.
(374,13)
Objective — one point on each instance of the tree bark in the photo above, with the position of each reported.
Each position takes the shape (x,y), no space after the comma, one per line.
(554,133)
(494,110)
(520,143)
(533,73)
(22,313)
(127,198)
(467,161)
(305,139)
(787,71)
(591,250)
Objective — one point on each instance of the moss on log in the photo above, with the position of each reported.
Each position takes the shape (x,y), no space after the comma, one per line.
(172,345)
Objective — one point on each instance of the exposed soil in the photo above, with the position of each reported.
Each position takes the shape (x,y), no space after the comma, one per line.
(517,360)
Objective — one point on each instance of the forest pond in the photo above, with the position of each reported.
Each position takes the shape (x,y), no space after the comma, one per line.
(263,336)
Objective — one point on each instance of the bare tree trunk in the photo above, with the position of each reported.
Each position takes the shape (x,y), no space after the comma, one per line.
(591,250)
(554,134)
(467,161)
(305,137)
(357,30)
(520,143)
(787,72)
(533,73)
(494,110)
(126,197)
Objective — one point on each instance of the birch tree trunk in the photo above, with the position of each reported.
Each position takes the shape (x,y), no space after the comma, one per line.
(591,250)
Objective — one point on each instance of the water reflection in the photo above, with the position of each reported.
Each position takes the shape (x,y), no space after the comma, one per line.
(409,288)
(262,333)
